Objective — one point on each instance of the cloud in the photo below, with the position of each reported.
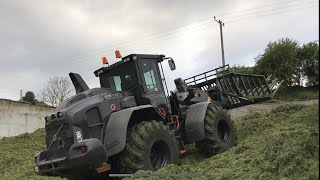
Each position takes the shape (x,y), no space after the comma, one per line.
(41,39)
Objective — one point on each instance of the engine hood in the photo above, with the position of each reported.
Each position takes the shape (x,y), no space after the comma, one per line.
(83,95)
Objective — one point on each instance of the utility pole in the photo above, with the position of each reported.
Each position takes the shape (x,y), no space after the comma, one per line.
(20,95)
(221,36)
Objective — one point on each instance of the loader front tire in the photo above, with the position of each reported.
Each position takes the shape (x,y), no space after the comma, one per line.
(149,146)
(220,133)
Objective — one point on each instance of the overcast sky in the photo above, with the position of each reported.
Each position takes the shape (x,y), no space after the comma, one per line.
(41,39)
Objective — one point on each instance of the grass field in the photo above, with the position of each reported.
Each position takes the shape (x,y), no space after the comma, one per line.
(282,144)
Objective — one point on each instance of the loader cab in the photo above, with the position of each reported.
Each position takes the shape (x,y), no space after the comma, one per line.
(136,75)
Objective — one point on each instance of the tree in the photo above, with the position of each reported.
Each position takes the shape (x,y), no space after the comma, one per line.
(56,90)
(242,69)
(280,59)
(308,56)
(29,97)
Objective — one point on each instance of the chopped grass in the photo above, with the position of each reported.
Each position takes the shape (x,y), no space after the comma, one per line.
(17,156)
(281,144)
(297,93)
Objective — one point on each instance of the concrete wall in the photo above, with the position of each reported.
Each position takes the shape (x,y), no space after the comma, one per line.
(18,117)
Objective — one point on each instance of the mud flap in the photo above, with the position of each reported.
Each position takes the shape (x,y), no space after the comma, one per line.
(195,122)
(116,129)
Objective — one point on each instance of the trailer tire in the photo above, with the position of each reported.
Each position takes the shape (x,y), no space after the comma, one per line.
(220,133)
(150,145)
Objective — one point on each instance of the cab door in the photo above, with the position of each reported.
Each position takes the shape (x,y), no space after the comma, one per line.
(153,91)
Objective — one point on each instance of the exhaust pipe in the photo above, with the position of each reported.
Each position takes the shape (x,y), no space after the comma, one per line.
(78,83)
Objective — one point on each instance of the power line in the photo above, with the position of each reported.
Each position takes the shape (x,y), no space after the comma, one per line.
(172,33)
(92,77)
(134,44)
(286,7)
(82,57)
(115,43)
(261,7)
(173,29)
(256,17)
(265,15)
(160,35)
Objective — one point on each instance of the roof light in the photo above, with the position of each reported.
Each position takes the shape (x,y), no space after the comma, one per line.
(104,60)
(118,54)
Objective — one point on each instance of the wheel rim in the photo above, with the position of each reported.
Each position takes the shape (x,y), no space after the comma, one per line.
(159,154)
(223,130)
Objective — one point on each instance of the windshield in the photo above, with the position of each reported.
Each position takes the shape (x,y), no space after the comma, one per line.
(121,78)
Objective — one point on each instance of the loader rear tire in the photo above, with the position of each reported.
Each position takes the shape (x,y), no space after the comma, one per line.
(149,146)
(220,133)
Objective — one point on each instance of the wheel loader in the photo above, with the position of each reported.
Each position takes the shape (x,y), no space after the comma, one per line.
(132,122)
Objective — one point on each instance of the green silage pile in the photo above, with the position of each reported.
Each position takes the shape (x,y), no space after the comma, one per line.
(282,144)
(17,156)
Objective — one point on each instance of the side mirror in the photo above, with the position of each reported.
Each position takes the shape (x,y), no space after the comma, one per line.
(172,65)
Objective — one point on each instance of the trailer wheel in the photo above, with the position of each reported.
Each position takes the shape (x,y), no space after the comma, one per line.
(220,133)
(150,145)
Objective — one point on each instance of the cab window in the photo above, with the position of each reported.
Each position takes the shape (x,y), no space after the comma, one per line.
(122,78)
(150,76)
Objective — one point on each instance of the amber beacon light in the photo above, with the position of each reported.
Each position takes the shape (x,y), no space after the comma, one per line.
(104,60)
(118,54)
